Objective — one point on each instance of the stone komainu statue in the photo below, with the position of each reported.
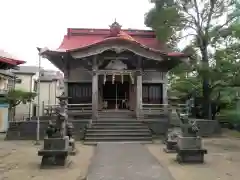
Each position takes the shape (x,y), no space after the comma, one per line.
(51,130)
(189,127)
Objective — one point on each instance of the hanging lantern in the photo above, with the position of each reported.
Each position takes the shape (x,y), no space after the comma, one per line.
(132,79)
(113,78)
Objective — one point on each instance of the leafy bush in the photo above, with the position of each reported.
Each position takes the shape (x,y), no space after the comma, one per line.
(229,116)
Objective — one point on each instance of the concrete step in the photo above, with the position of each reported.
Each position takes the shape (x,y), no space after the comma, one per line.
(117,134)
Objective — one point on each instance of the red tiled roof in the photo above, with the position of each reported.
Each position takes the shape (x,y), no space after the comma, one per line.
(80,38)
(9,59)
(77,38)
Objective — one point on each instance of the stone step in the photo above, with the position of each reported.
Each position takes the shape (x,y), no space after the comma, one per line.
(125,120)
(118,124)
(118,127)
(118,130)
(117,134)
(120,117)
(121,142)
(116,138)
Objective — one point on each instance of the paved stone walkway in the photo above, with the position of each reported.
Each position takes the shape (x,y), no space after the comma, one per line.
(115,161)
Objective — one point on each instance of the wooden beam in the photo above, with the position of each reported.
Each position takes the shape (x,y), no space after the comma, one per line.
(116,71)
(116,58)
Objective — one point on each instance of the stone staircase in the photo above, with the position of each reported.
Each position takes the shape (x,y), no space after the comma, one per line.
(117,127)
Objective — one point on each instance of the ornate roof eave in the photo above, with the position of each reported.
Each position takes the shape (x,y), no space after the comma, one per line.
(54,56)
(117,44)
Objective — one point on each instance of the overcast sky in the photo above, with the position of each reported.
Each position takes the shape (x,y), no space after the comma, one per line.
(27,24)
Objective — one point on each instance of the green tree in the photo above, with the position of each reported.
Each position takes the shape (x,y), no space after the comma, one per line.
(223,76)
(16,97)
(205,21)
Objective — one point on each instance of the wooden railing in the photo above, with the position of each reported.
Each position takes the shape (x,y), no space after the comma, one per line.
(51,109)
(147,109)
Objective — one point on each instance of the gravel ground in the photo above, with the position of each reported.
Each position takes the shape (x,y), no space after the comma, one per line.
(19,160)
(221,163)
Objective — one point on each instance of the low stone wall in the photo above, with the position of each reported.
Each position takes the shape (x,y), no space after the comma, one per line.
(47,118)
(26,130)
(208,127)
(158,126)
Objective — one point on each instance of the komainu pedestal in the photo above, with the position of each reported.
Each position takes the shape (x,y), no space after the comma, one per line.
(59,142)
(189,149)
(189,145)
(54,152)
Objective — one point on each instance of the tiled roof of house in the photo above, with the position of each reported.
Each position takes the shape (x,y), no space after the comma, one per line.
(8,58)
(50,75)
(26,70)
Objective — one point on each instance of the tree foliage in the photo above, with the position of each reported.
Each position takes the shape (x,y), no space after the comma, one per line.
(16,97)
(208,24)
(224,79)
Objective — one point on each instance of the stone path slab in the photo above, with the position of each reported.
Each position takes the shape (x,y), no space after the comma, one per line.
(116,161)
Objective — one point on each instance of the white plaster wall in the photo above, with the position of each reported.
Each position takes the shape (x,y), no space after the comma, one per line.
(154,77)
(79,75)
(22,110)
(49,91)
(3,83)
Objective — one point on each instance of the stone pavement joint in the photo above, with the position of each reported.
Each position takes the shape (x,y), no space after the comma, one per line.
(118,161)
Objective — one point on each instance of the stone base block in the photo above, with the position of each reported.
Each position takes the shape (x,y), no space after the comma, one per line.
(56,143)
(56,160)
(191,156)
(189,142)
(55,152)
(169,150)
(71,149)
(171,146)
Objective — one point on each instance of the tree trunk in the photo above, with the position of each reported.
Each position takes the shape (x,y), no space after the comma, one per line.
(10,114)
(207,111)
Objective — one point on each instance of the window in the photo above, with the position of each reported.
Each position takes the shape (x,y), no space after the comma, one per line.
(18,81)
(35,86)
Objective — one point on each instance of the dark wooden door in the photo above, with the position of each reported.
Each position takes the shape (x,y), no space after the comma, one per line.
(152,93)
(80,93)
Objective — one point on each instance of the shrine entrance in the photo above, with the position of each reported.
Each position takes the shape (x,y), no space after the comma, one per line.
(116,95)
(116,91)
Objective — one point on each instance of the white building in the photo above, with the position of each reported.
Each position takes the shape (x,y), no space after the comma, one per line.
(27,80)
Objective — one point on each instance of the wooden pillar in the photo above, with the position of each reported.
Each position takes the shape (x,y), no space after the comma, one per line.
(94,89)
(164,89)
(139,94)
(66,77)
(164,93)
(139,88)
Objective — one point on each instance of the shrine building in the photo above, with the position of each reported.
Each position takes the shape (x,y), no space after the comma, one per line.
(114,68)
